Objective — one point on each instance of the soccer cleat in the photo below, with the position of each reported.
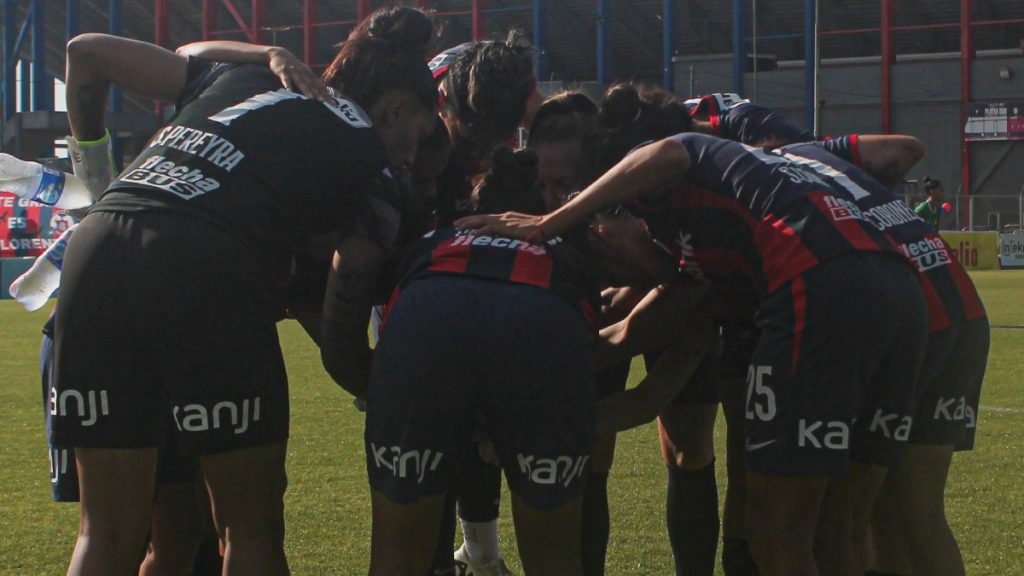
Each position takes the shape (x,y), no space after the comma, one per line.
(464,568)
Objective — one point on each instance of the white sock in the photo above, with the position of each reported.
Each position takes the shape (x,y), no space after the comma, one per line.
(480,540)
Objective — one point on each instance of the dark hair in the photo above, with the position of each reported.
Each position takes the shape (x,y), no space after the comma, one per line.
(566,115)
(569,116)
(386,51)
(932,183)
(510,184)
(631,115)
(490,82)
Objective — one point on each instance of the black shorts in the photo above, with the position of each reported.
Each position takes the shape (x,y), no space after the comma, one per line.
(738,344)
(950,385)
(172,467)
(165,320)
(456,350)
(832,378)
(612,379)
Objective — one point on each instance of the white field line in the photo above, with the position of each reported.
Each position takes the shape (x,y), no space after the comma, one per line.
(1001,409)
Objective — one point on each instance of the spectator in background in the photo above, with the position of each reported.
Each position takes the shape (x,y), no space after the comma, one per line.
(931,209)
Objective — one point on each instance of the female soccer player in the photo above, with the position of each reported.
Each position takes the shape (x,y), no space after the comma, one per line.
(170,261)
(686,426)
(492,326)
(842,334)
(909,529)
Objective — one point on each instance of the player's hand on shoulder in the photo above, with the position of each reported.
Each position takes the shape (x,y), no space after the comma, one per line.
(295,75)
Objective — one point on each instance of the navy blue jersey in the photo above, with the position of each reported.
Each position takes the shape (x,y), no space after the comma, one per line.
(795,219)
(753,124)
(553,266)
(265,163)
(948,289)
(712,241)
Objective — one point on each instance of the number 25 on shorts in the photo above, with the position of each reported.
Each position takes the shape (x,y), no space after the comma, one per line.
(760,398)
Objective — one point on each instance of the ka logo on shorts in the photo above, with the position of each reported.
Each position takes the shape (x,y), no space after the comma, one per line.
(834,435)
(563,469)
(952,409)
(891,425)
(405,464)
(72,402)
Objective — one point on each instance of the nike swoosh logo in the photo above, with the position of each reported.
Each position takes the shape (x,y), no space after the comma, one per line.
(759,445)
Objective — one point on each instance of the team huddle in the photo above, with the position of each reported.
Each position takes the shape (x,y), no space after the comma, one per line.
(508,288)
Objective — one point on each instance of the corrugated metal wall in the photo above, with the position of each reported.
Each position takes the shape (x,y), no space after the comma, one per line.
(926,104)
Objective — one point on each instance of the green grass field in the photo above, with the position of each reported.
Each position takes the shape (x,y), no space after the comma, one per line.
(328,504)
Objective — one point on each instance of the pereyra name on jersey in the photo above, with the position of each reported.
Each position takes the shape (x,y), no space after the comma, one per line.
(184,180)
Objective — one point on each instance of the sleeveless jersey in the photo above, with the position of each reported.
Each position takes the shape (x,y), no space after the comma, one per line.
(949,291)
(553,266)
(265,163)
(794,218)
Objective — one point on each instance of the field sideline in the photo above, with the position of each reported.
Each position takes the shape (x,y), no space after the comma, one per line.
(328,502)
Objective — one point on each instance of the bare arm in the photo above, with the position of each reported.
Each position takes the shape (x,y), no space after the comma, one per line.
(344,347)
(292,71)
(651,169)
(95,61)
(653,324)
(674,368)
(888,157)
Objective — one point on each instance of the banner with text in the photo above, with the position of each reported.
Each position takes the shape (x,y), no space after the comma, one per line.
(975,250)
(28,228)
(1011,250)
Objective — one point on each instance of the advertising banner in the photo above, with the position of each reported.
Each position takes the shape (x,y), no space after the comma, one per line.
(28,228)
(974,250)
(1011,250)
(995,120)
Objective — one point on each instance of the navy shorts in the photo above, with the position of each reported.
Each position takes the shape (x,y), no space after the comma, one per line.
(63,470)
(612,379)
(950,385)
(455,350)
(165,321)
(738,344)
(832,378)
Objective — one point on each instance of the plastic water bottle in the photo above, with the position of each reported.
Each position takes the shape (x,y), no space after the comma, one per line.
(33,181)
(38,283)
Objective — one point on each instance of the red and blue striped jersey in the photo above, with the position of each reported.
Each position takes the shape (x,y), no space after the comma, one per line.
(949,291)
(793,216)
(553,265)
(712,241)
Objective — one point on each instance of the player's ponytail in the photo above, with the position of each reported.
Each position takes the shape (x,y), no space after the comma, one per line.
(631,115)
(620,107)
(386,52)
(510,184)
